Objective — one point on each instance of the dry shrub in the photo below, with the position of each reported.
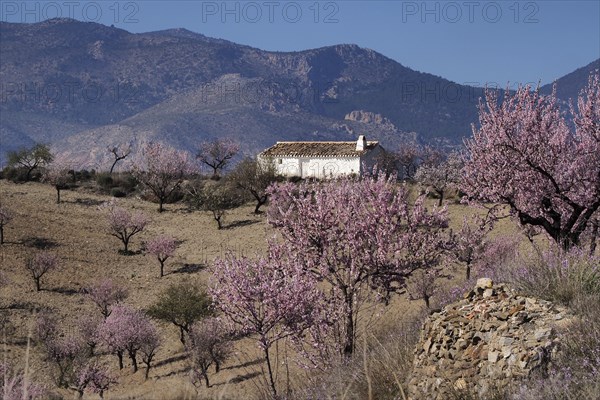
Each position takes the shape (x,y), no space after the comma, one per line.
(571,278)
(378,370)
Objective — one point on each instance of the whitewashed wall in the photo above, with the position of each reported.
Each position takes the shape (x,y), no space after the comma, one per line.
(324,167)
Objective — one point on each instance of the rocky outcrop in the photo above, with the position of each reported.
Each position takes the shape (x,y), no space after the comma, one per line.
(367,117)
(490,338)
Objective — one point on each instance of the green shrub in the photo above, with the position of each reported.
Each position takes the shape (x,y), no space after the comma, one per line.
(104,180)
(117,192)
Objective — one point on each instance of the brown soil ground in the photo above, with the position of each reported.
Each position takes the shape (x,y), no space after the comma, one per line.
(76,231)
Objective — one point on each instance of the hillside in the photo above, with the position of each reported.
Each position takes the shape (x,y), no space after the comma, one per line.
(78,77)
(81,86)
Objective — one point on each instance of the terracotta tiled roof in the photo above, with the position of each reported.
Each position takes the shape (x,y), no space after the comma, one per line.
(316,149)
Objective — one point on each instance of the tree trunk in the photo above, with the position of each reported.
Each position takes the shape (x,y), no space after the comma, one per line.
(426,299)
(468,270)
(149,361)
(219,223)
(132,356)
(592,239)
(126,244)
(162,267)
(112,167)
(29,171)
(441,193)
(217,366)
(206,382)
(37,284)
(120,357)
(182,334)
(259,203)
(271,380)
(57,195)
(1,234)
(160,204)
(349,345)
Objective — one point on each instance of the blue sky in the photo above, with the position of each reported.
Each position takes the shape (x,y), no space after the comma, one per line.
(474,42)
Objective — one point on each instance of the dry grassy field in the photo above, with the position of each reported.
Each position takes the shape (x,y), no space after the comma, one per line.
(76,231)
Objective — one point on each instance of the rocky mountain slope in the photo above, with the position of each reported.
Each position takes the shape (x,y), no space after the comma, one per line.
(82,86)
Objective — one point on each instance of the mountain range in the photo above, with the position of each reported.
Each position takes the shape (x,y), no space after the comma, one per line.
(83,86)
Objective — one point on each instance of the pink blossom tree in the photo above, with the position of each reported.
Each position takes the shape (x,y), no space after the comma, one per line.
(470,242)
(260,297)
(39,265)
(58,175)
(94,378)
(217,153)
(407,157)
(528,156)
(14,385)
(5,217)
(105,293)
(124,224)
(361,236)
(209,344)
(66,352)
(149,346)
(126,330)
(162,247)
(88,331)
(423,285)
(441,176)
(162,170)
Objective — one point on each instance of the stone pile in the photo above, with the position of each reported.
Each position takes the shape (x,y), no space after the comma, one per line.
(490,338)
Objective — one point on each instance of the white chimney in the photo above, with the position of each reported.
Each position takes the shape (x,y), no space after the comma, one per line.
(361,143)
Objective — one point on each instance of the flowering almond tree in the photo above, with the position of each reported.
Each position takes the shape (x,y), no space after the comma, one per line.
(407,157)
(127,330)
(58,175)
(528,156)
(217,153)
(209,344)
(105,293)
(162,170)
(359,236)
(441,176)
(93,378)
(469,243)
(162,247)
(5,217)
(124,224)
(39,265)
(262,298)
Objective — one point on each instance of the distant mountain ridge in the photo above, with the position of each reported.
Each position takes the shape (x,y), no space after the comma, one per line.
(82,86)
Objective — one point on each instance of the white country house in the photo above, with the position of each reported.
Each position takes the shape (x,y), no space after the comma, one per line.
(323,159)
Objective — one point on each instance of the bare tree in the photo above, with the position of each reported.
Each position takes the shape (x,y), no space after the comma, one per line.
(217,154)
(119,152)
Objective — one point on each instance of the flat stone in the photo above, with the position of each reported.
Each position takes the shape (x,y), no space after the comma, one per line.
(484,283)
(427,346)
(542,333)
(493,356)
(460,384)
(505,341)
